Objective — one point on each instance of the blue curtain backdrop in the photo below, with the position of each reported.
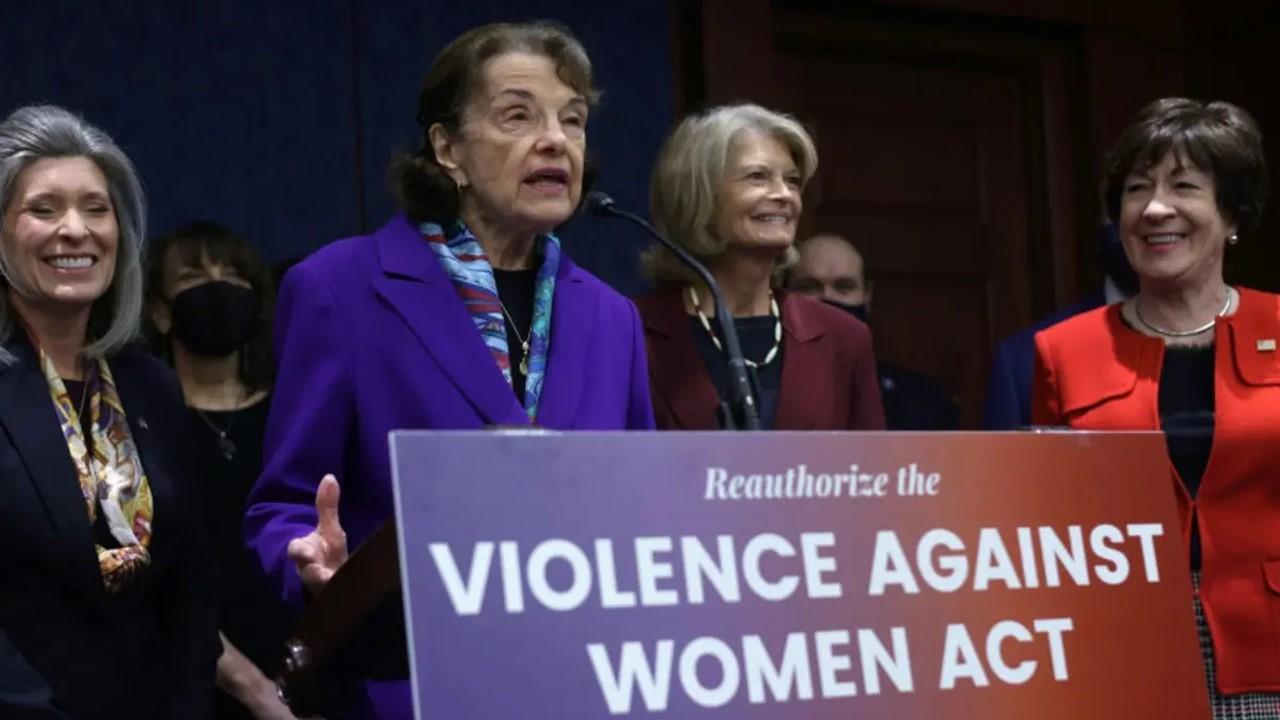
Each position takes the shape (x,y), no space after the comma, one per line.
(279,119)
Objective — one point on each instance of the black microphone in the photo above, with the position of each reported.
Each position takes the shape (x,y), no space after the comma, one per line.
(599,203)
(744,412)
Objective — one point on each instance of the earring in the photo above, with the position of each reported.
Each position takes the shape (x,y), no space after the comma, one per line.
(1233,238)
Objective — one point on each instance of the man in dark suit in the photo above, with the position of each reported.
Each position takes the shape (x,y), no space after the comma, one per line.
(832,270)
(1008,403)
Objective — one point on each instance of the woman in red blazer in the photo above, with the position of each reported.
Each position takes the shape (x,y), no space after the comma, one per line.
(1198,359)
(727,187)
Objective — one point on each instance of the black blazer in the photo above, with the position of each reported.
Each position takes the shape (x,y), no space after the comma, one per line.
(148,652)
(24,695)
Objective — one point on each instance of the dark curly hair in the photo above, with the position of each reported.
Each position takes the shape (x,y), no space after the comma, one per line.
(425,191)
(1217,137)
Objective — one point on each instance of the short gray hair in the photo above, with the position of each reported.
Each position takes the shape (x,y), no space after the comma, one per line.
(686,178)
(36,132)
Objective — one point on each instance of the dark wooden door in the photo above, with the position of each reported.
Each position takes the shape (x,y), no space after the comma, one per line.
(942,157)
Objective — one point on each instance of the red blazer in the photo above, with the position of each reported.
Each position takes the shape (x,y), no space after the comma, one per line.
(1094,372)
(828,369)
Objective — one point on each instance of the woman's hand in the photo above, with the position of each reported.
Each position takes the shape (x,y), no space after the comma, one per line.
(267,705)
(318,554)
(242,680)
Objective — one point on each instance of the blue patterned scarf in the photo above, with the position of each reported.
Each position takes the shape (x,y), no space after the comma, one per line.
(465,263)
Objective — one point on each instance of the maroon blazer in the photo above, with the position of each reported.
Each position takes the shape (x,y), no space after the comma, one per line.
(828,368)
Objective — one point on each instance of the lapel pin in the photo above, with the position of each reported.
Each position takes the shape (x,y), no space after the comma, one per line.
(142,422)
(1267,345)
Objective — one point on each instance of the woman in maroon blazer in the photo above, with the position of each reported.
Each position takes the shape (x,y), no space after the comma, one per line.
(727,187)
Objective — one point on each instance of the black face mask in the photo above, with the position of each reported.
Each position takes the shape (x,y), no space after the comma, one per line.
(858,311)
(214,319)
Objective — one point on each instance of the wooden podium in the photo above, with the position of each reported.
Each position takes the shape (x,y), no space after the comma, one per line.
(353,629)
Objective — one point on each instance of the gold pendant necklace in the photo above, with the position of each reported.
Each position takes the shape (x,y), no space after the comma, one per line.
(524,341)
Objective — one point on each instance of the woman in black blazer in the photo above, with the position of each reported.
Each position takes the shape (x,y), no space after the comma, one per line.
(106,587)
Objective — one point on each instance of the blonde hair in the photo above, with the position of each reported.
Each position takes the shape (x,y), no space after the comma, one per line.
(683,190)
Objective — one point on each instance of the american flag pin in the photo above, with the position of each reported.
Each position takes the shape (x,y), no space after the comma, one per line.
(1267,345)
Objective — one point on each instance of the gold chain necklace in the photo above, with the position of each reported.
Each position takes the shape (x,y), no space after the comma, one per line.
(84,393)
(524,341)
(777,328)
(84,396)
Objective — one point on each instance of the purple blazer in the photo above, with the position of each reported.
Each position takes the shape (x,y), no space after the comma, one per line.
(371,337)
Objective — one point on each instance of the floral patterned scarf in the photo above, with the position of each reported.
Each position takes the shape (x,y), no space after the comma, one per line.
(111,476)
(467,266)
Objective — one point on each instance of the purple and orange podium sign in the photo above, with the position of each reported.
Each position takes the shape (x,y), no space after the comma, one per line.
(788,575)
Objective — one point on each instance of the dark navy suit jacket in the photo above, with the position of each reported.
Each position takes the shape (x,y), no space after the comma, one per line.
(24,695)
(1008,405)
(147,652)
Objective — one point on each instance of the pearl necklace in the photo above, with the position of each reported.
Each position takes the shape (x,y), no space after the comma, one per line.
(1137,313)
(777,328)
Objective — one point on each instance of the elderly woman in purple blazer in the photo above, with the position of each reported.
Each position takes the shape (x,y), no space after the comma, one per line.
(462,312)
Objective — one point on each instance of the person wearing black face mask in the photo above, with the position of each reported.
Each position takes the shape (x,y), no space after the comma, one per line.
(832,270)
(215,318)
(209,308)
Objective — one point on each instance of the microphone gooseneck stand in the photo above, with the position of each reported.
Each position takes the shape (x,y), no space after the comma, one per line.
(739,411)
